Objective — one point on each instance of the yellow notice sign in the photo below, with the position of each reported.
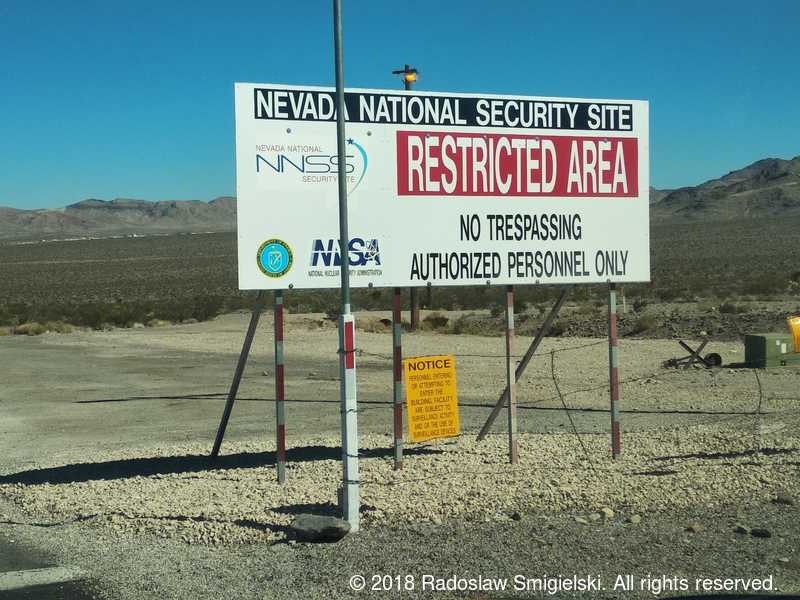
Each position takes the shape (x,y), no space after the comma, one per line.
(431,397)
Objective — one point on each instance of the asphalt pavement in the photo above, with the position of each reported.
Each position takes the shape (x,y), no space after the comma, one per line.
(23,572)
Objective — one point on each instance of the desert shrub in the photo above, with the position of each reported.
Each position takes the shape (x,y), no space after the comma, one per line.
(496,310)
(586,309)
(765,285)
(58,327)
(461,325)
(667,294)
(372,325)
(4,331)
(557,329)
(206,307)
(471,324)
(580,293)
(435,321)
(639,305)
(31,328)
(99,314)
(731,308)
(6,315)
(643,324)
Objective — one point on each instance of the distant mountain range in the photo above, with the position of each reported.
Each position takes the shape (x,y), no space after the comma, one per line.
(122,216)
(768,188)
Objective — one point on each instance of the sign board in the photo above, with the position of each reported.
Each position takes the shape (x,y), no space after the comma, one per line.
(443,189)
(431,397)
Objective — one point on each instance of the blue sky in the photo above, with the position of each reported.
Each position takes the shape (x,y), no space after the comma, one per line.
(135,99)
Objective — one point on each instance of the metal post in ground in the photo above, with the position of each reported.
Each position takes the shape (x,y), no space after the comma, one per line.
(414,299)
(511,378)
(613,369)
(523,364)
(397,360)
(350,498)
(237,375)
(280,389)
(350,493)
(410,74)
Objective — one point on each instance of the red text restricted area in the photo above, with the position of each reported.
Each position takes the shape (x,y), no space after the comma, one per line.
(476,164)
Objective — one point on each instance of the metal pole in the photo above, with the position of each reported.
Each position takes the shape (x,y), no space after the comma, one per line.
(414,299)
(280,389)
(511,379)
(350,497)
(613,369)
(397,359)
(501,402)
(413,296)
(237,376)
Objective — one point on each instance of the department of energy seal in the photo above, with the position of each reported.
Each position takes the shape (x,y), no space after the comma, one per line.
(274,258)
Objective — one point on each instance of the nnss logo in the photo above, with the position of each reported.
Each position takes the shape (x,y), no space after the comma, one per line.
(311,164)
(360,252)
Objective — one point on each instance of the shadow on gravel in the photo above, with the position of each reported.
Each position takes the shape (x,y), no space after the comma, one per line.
(723,455)
(656,473)
(172,465)
(265,527)
(314,508)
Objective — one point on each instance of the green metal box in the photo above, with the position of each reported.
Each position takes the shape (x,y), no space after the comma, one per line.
(770,350)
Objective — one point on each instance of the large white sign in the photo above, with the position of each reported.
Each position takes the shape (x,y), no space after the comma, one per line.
(443,189)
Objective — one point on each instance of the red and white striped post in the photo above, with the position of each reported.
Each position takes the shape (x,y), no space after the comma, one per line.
(613,368)
(280,389)
(351,494)
(397,359)
(511,378)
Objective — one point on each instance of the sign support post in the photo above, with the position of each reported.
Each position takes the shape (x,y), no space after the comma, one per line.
(397,358)
(350,496)
(511,379)
(523,364)
(237,376)
(409,77)
(613,368)
(280,389)
(413,296)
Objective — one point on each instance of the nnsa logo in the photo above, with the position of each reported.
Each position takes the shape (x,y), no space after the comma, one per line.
(360,252)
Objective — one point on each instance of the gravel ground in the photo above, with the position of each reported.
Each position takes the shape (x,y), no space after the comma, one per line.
(155,519)
(175,493)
